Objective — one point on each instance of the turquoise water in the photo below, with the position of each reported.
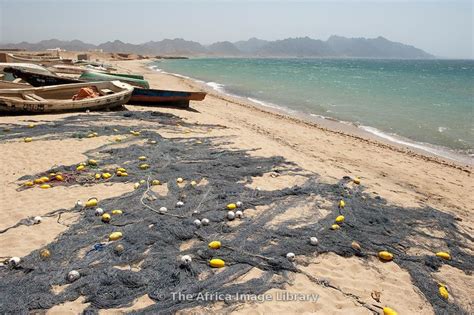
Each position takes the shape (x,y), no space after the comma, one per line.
(426,101)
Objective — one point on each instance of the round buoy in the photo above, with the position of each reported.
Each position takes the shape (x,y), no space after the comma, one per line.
(205,221)
(119,249)
(239,204)
(179,204)
(45,253)
(79,204)
(14,261)
(290,256)
(106,218)
(340,219)
(155,182)
(92,202)
(37,219)
(355,246)
(99,212)
(163,210)
(313,241)
(239,214)
(231,215)
(136,185)
(197,223)
(179,180)
(73,275)
(186,260)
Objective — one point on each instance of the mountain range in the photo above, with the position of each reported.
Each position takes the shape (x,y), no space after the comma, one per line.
(335,46)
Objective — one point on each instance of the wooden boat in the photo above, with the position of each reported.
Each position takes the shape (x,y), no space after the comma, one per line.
(152,97)
(99,76)
(54,99)
(39,79)
(67,69)
(25,67)
(39,61)
(13,85)
(140,96)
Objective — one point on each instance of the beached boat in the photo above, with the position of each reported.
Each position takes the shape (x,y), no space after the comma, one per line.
(100,76)
(25,67)
(40,79)
(64,98)
(13,85)
(153,97)
(67,69)
(37,60)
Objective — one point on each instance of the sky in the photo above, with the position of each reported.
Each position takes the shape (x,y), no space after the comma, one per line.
(442,28)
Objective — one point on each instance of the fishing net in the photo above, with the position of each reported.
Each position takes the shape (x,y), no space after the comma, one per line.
(152,240)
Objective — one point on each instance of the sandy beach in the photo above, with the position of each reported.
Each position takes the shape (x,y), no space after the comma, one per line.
(434,196)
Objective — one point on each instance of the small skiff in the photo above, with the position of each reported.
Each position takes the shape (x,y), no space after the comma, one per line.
(55,99)
(153,97)
(35,60)
(99,76)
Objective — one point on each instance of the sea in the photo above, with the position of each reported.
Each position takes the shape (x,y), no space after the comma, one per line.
(425,104)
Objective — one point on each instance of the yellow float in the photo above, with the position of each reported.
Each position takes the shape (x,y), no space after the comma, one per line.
(389,311)
(384,255)
(443,292)
(106,217)
(115,236)
(216,263)
(214,245)
(444,255)
(92,202)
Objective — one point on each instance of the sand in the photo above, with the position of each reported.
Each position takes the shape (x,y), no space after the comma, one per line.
(400,176)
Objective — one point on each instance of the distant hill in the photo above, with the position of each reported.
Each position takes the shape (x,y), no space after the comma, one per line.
(251,46)
(296,47)
(373,48)
(224,49)
(335,46)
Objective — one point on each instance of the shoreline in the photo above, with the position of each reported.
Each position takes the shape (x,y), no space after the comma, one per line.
(377,137)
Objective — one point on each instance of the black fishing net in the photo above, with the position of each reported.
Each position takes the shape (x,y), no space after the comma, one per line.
(152,240)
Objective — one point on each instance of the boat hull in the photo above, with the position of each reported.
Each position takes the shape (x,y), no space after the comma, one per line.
(39,79)
(11,105)
(153,97)
(99,76)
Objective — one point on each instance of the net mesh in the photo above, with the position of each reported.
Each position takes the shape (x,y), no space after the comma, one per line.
(152,240)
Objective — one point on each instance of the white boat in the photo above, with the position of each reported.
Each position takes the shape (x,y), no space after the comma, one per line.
(59,98)
(36,60)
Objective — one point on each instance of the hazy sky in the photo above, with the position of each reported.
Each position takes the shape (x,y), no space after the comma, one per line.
(443,28)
